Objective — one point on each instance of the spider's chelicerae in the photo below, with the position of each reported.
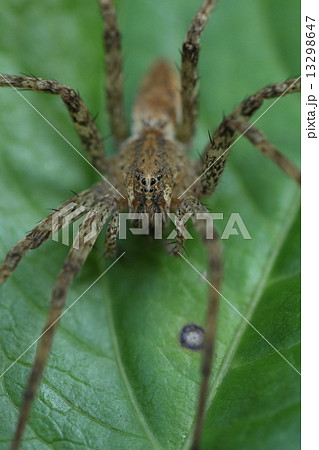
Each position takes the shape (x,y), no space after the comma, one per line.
(151,173)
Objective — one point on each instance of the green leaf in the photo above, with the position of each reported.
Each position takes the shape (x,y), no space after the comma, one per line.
(117,377)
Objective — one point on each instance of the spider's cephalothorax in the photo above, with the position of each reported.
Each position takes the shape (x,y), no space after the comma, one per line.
(150,178)
(150,174)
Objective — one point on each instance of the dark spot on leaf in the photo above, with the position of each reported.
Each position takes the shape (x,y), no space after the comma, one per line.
(192,337)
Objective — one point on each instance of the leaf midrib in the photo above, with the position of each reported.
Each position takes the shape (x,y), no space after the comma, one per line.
(118,360)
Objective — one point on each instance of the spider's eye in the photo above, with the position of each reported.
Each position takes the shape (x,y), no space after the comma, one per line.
(159,177)
(144,181)
(138,176)
(153,181)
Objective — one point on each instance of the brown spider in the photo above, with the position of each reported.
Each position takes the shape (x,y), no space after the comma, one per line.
(151,172)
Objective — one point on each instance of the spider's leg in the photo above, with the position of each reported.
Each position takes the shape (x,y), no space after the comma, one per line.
(114,71)
(111,235)
(216,151)
(82,119)
(189,72)
(206,231)
(65,214)
(177,246)
(75,260)
(259,140)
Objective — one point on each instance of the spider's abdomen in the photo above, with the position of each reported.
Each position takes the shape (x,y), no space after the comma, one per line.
(158,102)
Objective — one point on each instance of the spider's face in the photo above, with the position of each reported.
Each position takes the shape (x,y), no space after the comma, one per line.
(149,181)
(149,192)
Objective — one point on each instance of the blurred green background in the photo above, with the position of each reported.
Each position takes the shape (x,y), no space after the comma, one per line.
(117,377)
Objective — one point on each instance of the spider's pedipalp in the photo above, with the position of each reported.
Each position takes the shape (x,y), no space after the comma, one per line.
(111,235)
(114,70)
(81,117)
(85,238)
(189,72)
(72,209)
(216,152)
(180,229)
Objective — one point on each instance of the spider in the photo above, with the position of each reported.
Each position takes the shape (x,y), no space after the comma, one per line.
(164,125)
